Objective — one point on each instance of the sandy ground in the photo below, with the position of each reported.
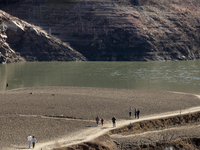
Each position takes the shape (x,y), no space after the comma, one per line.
(180,132)
(130,141)
(26,111)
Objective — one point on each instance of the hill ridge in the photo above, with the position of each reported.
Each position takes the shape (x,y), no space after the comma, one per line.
(120,30)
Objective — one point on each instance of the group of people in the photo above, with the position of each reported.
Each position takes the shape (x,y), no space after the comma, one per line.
(102,120)
(97,120)
(31,140)
(137,113)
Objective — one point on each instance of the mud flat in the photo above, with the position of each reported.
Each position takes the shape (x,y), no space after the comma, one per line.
(50,113)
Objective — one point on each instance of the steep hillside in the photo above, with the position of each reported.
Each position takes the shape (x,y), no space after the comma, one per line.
(119,30)
(20,41)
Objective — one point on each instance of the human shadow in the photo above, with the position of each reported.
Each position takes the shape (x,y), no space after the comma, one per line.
(90,126)
(129,118)
(106,127)
(21,148)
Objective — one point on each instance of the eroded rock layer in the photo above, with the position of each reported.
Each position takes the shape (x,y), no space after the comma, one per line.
(21,41)
(118,30)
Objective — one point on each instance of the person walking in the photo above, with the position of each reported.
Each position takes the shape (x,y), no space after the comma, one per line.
(33,141)
(135,113)
(130,111)
(97,120)
(113,120)
(102,120)
(29,141)
(6,86)
(138,113)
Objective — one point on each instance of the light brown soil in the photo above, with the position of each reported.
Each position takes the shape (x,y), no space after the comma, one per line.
(23,111)
(178,132)
(159,123)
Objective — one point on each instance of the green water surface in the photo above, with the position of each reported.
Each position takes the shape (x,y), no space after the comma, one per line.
(180,76)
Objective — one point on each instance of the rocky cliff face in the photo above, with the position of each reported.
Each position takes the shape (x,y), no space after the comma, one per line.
(20,41)
(120,30)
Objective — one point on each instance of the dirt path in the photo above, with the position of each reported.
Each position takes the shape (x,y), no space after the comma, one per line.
(67,117)
(94,132)
(151,132)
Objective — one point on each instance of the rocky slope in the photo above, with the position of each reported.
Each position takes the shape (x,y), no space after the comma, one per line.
(119,30)
(176,132)
(20,41)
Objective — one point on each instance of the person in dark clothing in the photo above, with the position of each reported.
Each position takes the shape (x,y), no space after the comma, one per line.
(102,120)
(97,120)
(113,120)
(6,85)
(135,113)
(138,113)
(33,141)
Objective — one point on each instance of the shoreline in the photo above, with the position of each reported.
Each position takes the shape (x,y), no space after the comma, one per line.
(101,131)
(81,103)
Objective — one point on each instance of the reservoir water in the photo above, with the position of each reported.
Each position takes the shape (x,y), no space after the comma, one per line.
(180,76)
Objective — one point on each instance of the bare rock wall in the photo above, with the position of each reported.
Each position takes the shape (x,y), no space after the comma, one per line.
(117,30)
(21,41)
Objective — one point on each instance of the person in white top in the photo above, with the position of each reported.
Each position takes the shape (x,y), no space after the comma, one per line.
(33,141)
(130,111)
(29,140)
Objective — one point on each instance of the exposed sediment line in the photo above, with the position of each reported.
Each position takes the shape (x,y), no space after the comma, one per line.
(159,123)
(140,125)
(57,117)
